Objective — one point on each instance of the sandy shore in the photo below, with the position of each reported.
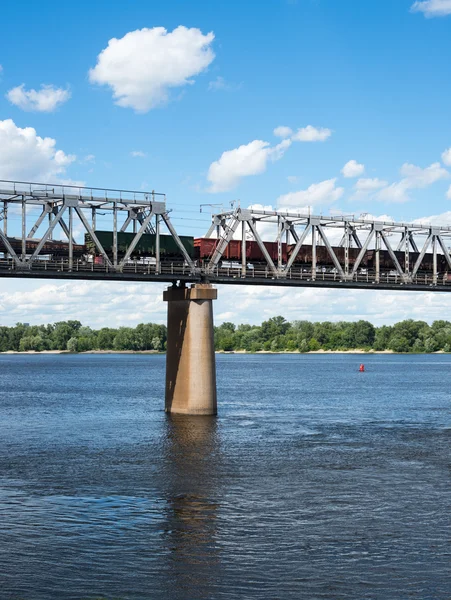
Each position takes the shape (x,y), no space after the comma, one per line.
(32,352)
(312,352)
(88,352)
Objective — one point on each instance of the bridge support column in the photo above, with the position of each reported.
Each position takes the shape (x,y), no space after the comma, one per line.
(190,357)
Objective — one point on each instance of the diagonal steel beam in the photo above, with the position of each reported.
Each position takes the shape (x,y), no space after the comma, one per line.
(362,252)
(356,238)
(178,241)
(9,248)
(349,233)
(94,238)
(413,243)
(262,247)
(66,230)
(229,230)
(445,250)
(136,239)
(46,235)
(299,242)
(294,233)
(402,274)
(331,252)
(210,231)
(142,216)
(126,223)
(409,236)
(422,253)
(38,222)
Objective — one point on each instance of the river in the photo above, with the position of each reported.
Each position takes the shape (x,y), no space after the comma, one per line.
(315,481)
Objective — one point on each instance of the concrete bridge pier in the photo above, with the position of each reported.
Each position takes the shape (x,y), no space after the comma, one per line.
(190,357)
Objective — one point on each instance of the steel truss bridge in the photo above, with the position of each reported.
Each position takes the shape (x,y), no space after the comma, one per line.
(43,209)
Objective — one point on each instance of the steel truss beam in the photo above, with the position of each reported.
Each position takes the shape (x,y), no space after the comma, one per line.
(299,226)
(146,211)
(55,200)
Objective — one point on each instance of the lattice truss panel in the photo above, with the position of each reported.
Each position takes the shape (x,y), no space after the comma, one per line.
(346,240)
(31,212)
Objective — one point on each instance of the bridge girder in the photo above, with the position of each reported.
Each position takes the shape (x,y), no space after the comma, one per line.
(345,239)
(364,233)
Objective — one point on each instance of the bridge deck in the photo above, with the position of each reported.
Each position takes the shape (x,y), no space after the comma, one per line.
(172,272)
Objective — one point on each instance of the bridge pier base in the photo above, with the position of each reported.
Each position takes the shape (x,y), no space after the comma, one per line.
(190,357)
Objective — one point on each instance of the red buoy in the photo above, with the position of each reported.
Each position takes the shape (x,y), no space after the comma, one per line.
(362,368)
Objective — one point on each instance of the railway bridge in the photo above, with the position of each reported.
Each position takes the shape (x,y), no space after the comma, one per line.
(107,234)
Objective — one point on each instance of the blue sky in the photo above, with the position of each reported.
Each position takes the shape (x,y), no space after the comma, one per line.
(370,80)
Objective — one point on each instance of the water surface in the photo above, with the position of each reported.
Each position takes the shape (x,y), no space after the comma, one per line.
(314,482)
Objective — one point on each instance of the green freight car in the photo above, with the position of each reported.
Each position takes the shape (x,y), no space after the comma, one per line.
(145,247)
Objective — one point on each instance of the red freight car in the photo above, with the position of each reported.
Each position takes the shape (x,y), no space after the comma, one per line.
(205,247)
(51,247)
(323,257)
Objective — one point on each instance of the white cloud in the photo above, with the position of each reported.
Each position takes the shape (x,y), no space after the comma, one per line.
(293,178)
(47,99)
(25,155)
(446,157)
(248,159)
(396,192)
(414,177)
(419,177)
(111,304)
(144,65)
(443,219)
(448,194)
(353,169)
(56,301)
(369,185)
(88,159)
(220,83)
(432,8)
(312,134)
(324,192)
(283,132)
(138,154)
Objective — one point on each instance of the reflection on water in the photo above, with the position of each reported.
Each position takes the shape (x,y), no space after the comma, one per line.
(314,482)
(191,459)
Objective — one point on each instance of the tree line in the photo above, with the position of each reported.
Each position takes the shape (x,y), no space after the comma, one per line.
(274,335)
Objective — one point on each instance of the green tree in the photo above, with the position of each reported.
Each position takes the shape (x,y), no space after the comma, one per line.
(314,345)
(303,346)
(105,338)
(126,339)
(359,335)
(431,344)
(62,332)
(274,327)
(25,343)
(72,345)
(382,338)
(85,343)
(399,344)
(156,344)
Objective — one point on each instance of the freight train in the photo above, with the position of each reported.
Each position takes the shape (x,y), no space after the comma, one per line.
(54,248)
(205,247)
(202,249)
